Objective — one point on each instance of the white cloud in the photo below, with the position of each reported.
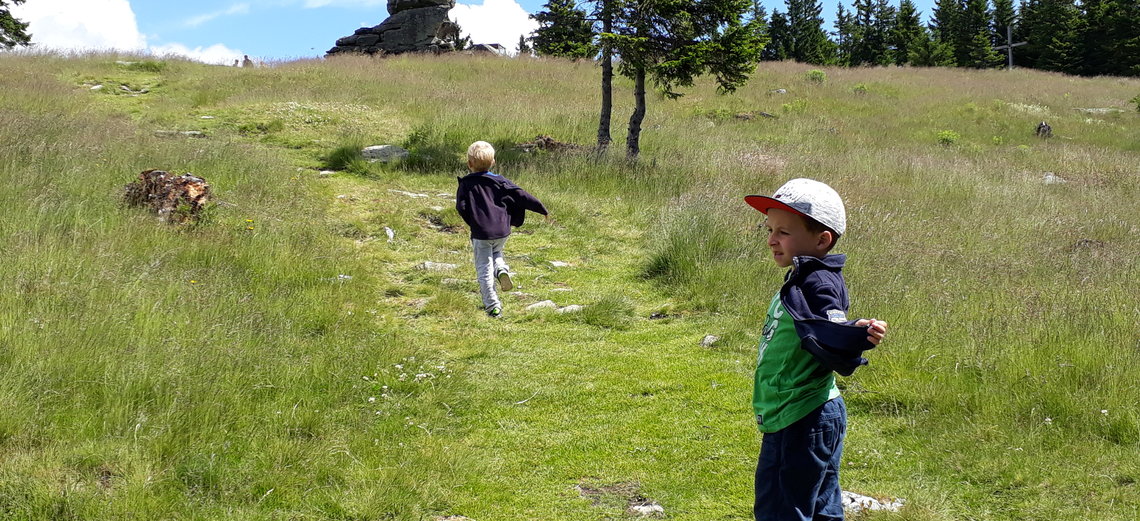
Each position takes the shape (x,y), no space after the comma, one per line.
(495,21)
(100,25)
(203,18)
(81,25)
(217,53)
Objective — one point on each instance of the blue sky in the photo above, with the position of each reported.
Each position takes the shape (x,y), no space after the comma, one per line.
(220,31)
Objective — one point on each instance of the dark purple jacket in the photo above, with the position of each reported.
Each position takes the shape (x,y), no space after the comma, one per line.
(815,294)
(490,204)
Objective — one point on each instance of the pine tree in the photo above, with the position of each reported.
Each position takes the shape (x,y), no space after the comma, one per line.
(779,47)
(907,33)
(1027,18)
(928,51)
(844,39)
(861,20)
(524,49)
(809,41)
(12,31)
(1052,29)
(1003,16)
(945,24)
(1110,35)
(879,36)
(1126,26)
(973,44)
(604,12)
(671,42)
(563,30)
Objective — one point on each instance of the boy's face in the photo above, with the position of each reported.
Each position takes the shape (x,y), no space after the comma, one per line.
(789,237)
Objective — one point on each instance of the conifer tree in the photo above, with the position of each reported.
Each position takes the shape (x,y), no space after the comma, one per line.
(12,31)
(809,42)
(1125,50)
(928,51)
(907,32)
(670,42)
(861,20)
(524,49)
(1003,16)
(779,47)
(1052,30)
(1027,17)
(879,36)
(563,30)
(973,43)
(945,24)
(1110,34)
(844,37)
(604,11)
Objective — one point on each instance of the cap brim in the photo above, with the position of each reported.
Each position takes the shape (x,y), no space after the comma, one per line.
(765,203)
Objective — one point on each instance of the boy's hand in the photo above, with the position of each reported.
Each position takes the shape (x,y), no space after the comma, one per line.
(876,329)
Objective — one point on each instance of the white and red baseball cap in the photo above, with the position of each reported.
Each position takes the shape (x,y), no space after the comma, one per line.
(805,197)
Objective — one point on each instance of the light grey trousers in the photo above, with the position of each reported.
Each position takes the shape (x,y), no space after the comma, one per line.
(488,262)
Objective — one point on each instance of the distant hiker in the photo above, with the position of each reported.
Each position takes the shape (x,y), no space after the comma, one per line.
(237,63)
(806,337)
(245,61)
(491,204)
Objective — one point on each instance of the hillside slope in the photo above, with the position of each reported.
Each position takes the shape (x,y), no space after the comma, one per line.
(287,359)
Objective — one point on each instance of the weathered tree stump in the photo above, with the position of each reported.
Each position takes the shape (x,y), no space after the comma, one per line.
(545,142)
(176,199)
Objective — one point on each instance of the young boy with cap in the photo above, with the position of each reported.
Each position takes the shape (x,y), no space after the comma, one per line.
(806,337)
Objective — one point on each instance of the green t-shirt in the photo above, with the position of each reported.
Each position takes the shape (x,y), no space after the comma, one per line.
(790,383)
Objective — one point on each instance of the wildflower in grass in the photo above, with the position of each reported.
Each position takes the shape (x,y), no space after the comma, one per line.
(1048,421)
(371,399)
(193,281)
(1104,412)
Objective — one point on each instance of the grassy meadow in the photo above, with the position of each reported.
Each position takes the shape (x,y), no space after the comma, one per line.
(285,359)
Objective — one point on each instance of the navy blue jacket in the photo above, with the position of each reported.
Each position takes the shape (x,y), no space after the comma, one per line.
(815,294)
(490,204)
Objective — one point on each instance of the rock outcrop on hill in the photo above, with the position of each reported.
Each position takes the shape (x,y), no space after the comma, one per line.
(414,26)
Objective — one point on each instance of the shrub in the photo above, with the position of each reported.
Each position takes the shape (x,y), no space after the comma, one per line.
(796,107)
(346,157)
(860,88)
(1136,100)
(948,137)
(816,76)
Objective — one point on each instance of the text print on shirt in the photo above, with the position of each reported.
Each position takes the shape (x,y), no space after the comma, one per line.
(769,330)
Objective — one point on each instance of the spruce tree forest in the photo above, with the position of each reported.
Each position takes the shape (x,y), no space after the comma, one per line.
(1079,37)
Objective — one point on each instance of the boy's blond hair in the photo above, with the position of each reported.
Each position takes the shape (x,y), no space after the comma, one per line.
(480,156)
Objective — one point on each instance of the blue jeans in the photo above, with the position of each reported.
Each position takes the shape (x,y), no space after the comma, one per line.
(797,476)
(489,261)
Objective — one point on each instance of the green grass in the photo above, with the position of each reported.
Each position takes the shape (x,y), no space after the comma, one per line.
(285,359)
